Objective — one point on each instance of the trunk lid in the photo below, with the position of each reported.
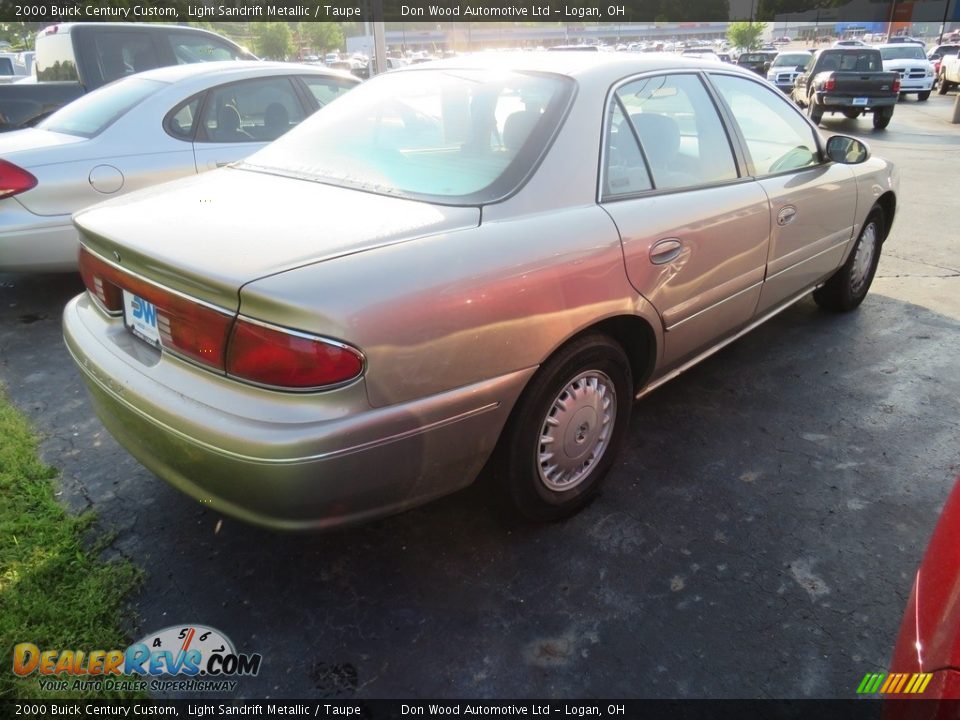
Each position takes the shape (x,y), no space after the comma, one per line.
(208,236)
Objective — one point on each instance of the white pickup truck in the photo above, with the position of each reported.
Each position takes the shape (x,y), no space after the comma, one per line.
(949,75)
(911,64)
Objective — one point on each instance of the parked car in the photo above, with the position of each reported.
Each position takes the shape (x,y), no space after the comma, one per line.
(904,39)
(910,63)
(929,637)
(849,43)
(948,76)
(851,81)
(486,258)
(7,71)
(139,131)
(76,58)
(785,68)
(755,61)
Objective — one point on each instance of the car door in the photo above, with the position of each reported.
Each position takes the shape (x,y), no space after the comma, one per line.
(239,118)
(812,201)
(694,229)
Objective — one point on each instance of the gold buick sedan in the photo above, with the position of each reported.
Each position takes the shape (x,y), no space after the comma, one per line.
(486,259)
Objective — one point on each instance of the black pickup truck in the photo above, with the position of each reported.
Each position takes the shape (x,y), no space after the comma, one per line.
(848,80)
(75,58)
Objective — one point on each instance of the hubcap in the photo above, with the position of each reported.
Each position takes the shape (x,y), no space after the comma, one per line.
(576,430)
(863,260)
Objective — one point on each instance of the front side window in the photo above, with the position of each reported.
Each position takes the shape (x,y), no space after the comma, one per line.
(326,89)
(679,131)
(454,136)
(92,113)
(251,111)
(777,137)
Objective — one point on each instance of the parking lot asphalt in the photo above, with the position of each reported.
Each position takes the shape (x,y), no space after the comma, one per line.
(757,538)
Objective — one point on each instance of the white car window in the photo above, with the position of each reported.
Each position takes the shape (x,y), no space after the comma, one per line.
(777,136)
(251,111)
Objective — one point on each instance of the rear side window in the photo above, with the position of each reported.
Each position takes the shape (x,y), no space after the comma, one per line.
(251,111)
(121,54)
(680,132)
(92,113)
(182,122)
(54,59)
(6,66)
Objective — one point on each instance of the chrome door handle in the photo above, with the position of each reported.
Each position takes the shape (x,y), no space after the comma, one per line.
(786,215)
(665,250)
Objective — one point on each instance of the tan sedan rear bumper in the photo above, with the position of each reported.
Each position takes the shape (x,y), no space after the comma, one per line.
(283,461)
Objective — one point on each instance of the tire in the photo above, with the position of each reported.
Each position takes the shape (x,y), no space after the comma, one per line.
(943,86)
(881,118)
(848,286)
(814,111)
(923,96)
(579,402)
(901,96)
(851,113)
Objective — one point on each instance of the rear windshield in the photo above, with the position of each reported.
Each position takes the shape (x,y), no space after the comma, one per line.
(903,52)
(459,137)
(92,113)
(791,60)
(6,66)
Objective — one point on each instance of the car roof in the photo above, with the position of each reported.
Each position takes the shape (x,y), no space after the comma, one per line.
(898,45)
(235,69)
(599,66)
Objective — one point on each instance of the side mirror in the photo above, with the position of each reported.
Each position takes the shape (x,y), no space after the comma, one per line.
(801,68)
(847,150)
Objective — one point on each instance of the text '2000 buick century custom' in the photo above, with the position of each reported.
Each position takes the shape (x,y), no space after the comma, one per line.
(481,259)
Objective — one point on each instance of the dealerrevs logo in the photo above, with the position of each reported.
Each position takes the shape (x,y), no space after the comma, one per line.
(178,658)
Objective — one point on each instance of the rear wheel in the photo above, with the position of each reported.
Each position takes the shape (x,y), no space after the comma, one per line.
(566,429)
(814,111)
(851,113)
(847,288)
(923,96)
(881,118)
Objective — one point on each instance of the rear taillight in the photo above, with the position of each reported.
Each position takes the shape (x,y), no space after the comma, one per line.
(258,353)
(276,357)
(187,327)
(896,85)
(830,84)
(14,180)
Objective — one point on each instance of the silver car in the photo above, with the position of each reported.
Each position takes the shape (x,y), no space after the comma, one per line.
(139,131)
(485,259)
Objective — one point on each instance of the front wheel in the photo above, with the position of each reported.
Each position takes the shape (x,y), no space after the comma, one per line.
(943,86)
(923,96)
(847,287)
(566,429)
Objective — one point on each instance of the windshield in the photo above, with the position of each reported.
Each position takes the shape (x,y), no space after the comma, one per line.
(791,60)
(94,112)
(903,52)
(452,136)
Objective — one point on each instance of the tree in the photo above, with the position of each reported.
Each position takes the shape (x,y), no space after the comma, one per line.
(746,34)
(322,36)
(274,41)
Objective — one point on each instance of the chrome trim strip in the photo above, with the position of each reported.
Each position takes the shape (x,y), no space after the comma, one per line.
(281,461)
(719,346)
(164,288)
(716,304)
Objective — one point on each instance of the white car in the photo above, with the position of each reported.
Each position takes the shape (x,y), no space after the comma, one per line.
(911,63)
(138,131)
(785,68)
